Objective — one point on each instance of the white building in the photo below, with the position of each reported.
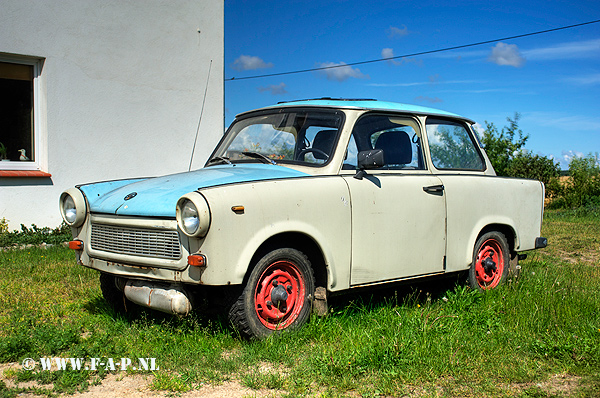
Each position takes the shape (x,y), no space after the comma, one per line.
(98,90)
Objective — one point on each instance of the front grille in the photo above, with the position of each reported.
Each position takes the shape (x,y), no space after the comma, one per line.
(136,241)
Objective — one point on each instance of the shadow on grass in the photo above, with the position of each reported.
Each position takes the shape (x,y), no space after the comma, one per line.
(213,314)
(136,314)
(412,291)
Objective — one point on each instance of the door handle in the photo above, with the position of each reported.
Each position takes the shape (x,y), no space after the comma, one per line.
(434,189)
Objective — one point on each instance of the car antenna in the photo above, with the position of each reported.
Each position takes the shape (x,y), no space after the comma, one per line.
(200,118)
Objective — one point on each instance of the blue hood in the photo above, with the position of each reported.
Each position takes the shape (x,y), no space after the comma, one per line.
(157,197)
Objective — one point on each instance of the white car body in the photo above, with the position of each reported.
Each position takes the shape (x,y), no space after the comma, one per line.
(357,225)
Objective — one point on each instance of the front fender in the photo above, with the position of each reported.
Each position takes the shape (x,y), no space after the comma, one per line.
(317,207)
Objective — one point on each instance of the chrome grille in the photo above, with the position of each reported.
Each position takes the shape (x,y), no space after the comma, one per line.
(136,241)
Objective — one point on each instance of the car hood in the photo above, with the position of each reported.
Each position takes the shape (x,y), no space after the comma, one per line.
(157,197)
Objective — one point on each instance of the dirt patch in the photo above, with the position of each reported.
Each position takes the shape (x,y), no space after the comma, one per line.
(136,386)
(560,385)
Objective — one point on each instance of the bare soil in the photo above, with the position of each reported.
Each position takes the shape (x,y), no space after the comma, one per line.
(137,386)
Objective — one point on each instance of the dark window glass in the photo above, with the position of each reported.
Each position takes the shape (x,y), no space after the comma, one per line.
(16,112)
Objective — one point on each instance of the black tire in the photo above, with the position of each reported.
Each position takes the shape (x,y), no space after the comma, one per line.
(113,296)
(277,297)
(491,261)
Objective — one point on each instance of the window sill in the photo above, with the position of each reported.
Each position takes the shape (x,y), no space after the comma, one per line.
(24,174)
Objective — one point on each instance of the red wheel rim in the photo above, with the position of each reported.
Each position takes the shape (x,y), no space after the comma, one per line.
(489,264)
(281,314)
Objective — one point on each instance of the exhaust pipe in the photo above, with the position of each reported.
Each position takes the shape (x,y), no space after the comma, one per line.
(170,299)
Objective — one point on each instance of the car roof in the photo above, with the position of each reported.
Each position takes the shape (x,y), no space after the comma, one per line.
(366,104)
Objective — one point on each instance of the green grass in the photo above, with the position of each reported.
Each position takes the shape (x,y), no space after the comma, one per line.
(432,340)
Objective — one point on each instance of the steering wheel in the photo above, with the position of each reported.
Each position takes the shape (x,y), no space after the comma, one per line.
(303,152)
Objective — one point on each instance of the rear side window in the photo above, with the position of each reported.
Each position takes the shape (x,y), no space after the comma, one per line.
(452,146)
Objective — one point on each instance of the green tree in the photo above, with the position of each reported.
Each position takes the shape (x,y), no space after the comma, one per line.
(583,188)
(527,165)
(501,147)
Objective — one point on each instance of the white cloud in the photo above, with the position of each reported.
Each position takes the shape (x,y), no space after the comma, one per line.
(398,84)
(275,89)
(479,129)
(584,80)
(340,72)
(564,122)
(389,53)
(428,99)
(397,32)
(570,50)
(248,62)
(567,156)
(506,54)
(431,80)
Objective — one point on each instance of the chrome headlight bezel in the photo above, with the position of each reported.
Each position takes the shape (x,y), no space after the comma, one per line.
(73,207)
(193,215)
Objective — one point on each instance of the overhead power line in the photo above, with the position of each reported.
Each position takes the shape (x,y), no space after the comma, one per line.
(414,54)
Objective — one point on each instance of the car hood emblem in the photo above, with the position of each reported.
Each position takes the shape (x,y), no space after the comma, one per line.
(130,196)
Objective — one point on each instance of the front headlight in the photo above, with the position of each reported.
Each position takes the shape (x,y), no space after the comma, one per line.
(72,207)
(193,214)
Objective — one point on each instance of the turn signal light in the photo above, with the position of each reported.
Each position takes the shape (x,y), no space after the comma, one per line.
(238,209)
(76,245)
(197,260)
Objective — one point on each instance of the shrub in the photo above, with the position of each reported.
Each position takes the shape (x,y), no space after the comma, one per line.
(34,235)
(583,188)
(526,165)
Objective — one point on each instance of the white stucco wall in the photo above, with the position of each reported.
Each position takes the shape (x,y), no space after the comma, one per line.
(121,91)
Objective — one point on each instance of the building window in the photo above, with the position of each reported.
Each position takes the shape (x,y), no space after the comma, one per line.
(20,134)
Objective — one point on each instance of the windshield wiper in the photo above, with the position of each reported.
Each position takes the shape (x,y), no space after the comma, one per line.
(222,159)
(259,156)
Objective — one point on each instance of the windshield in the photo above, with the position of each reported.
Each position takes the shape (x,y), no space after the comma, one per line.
(306,137)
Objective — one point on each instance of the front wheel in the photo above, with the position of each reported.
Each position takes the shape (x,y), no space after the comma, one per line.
(490,264)
(278,295)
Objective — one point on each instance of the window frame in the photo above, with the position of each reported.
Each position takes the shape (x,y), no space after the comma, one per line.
(470,134)
(413,122)
(39,166)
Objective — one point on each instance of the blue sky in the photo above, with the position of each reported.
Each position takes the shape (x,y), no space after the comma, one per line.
(552,80)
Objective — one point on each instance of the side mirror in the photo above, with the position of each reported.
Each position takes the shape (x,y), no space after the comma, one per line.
(371,159)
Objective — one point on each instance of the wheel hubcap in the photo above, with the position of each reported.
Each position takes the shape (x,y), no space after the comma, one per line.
(489,265)
(279,295)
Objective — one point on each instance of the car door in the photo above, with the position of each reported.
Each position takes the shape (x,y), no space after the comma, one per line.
(398,210)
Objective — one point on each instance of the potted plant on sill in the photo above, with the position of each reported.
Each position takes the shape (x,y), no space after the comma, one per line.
(3,152)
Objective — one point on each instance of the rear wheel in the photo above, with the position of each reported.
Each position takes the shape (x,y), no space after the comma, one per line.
(278,295)
(490,264)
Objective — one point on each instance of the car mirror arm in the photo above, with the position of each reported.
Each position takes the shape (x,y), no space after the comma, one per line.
(360,174)
(370,159)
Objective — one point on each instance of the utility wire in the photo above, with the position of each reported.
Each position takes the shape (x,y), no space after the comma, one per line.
(414,54)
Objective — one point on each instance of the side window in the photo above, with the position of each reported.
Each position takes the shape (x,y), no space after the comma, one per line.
(20,132)
(399,139)
(451,146)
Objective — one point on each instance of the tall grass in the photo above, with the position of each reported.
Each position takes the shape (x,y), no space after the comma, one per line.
(430,340)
